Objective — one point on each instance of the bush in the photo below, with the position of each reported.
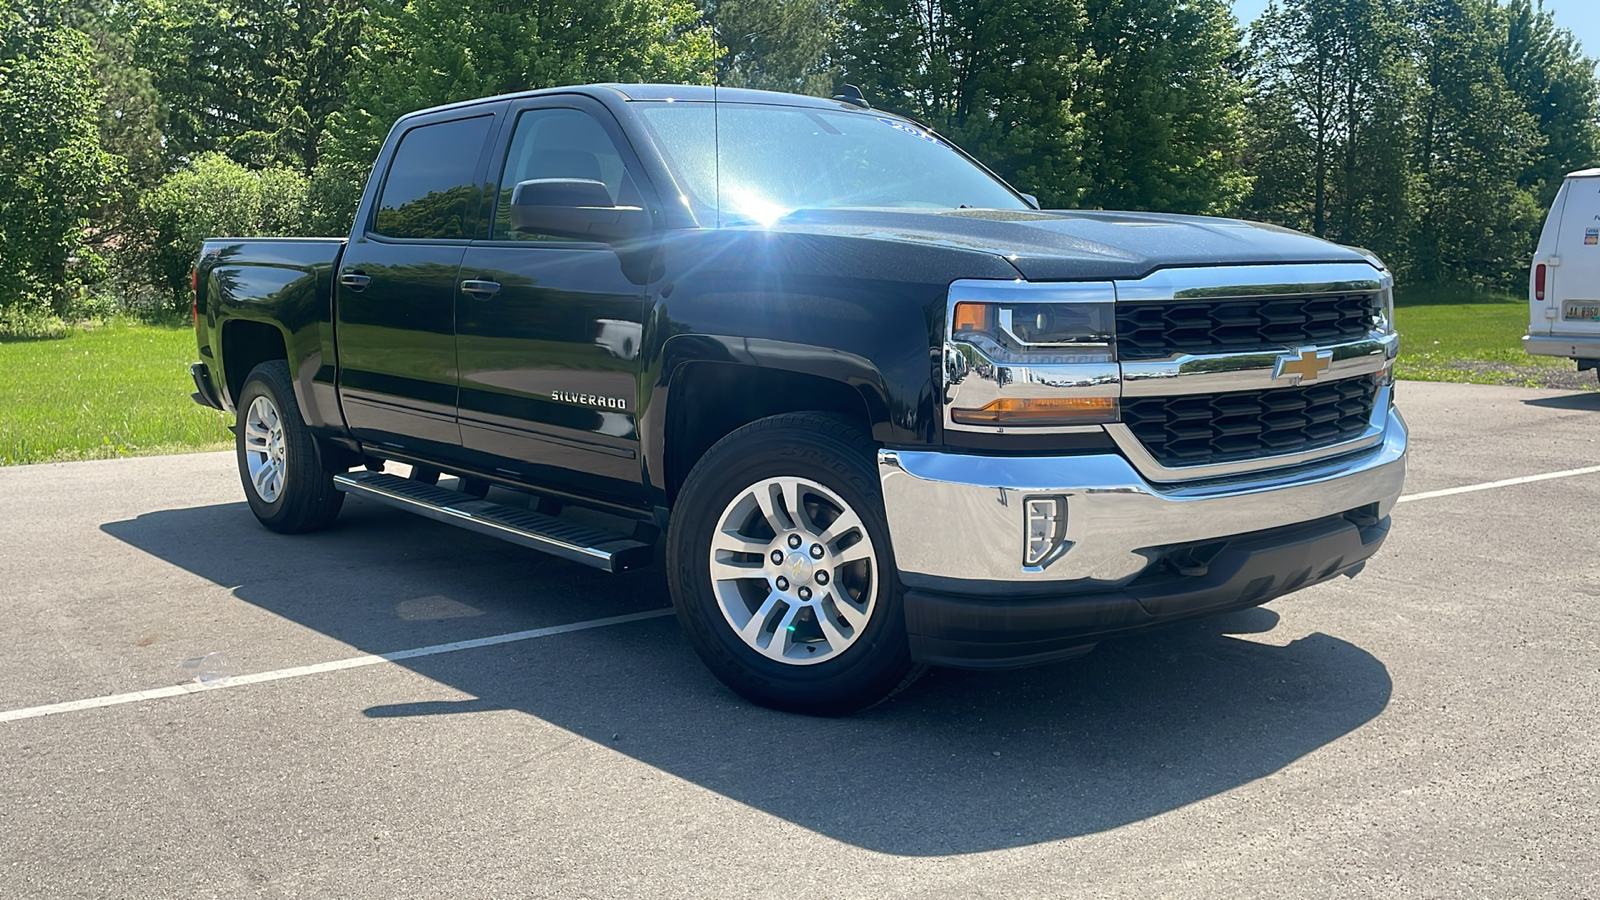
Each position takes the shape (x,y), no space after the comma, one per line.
(335,193)
(213,197)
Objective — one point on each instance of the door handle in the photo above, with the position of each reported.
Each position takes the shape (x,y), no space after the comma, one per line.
(355,281)
(484,289)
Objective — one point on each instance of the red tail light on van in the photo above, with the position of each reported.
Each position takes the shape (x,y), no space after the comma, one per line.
(1538,282)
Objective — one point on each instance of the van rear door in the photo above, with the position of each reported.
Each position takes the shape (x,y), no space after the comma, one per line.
(1572,286)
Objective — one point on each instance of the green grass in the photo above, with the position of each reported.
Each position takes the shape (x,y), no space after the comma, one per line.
(117,390)
(123,389)
(1460,335)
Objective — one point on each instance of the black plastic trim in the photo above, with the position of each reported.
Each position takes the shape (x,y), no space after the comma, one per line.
(205,393)
(978,631)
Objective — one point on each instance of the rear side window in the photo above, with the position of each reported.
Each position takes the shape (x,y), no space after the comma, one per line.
(431,190)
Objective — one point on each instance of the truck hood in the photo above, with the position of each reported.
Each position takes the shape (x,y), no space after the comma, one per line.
(1078,245)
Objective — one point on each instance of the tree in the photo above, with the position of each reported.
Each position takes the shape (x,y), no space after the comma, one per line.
(1328,118)
(256,79)
(1556,84)
(427,52)
(1004,78)
(53,172)
(1163,114)
(1475,139)
(776,45)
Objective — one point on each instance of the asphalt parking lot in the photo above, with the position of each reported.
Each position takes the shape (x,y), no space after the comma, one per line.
(1428,729)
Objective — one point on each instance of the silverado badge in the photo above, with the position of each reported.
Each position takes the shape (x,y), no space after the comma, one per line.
(1307,364)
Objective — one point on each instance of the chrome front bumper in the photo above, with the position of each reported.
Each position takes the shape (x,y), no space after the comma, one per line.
(958,520)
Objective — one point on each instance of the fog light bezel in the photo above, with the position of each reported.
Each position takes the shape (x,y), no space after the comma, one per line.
(1044,531)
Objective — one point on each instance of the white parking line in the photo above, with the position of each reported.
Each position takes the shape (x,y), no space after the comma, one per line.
(1488,485)
(177,690)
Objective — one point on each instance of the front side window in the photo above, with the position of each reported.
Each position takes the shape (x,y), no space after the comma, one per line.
(431,190)
(559,143)
(756,163)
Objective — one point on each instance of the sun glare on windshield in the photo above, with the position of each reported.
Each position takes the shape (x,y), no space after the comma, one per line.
(745,163)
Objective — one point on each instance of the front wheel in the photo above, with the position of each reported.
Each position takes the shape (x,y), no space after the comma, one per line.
(278,462)
(781,569)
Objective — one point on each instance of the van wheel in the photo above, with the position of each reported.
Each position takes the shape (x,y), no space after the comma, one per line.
(781,570)
(278,460)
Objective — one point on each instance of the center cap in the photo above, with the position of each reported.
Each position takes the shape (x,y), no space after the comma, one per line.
(798,567)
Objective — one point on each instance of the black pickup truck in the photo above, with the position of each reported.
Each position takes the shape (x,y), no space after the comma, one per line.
(869,407)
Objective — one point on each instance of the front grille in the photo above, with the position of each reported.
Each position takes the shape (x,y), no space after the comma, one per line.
(1201,429)
(1159,330)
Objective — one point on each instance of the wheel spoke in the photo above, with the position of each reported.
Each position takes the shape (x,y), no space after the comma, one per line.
(847,522)
(793,499)
(830,628)
(780,636)
(769,508)
(261,477)
(255,431)
(861,549)
(722,570)
(752,628)
(857,618)
(733,542)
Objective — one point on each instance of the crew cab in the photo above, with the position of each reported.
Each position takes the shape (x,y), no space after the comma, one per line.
(867,405)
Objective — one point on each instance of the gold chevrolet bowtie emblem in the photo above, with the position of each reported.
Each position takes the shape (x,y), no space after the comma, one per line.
(1308,364)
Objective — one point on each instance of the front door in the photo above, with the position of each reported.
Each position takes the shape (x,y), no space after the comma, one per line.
(397,285)
(548,330)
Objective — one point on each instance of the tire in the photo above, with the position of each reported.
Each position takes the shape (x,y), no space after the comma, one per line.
(822,632)
(278,459)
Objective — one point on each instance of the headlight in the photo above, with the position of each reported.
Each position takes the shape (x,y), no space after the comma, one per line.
(1385,293)
(1386,301)
(1033,355)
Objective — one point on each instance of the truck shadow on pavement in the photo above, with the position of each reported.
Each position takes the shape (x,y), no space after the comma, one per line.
(962,762)
(1588,401)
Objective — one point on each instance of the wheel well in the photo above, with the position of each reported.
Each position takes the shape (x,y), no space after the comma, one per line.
(246,345)
(711,400)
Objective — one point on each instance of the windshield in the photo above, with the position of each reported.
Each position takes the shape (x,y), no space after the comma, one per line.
(773,160)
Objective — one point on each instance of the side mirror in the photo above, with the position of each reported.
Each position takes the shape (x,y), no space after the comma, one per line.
(1032,201)
(578,208)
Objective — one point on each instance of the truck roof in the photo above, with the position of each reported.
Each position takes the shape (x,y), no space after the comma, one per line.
(693,93)
(1584,173)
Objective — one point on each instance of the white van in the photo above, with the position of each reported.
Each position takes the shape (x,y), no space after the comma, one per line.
(1564,286)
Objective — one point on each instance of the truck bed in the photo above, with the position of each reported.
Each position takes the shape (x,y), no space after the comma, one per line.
(283,284)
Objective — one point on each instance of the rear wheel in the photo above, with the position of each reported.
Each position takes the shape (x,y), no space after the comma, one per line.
(781,569)
(278,461)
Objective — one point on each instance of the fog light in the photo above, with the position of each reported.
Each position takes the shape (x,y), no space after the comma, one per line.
(1046,519)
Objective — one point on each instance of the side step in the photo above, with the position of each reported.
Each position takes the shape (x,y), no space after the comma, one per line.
(579,543)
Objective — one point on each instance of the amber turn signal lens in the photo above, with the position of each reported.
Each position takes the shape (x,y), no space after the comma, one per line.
(1041,411)
(973,317)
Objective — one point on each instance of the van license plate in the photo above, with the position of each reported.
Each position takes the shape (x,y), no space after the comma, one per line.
(1584,310)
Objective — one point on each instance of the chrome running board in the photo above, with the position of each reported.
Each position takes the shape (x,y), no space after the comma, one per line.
(600,549)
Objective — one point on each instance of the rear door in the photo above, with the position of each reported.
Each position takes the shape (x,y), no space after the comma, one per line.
(397,284)
(549,329)
(1575,283)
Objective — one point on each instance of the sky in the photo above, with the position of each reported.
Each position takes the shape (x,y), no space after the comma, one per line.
(1581,17)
